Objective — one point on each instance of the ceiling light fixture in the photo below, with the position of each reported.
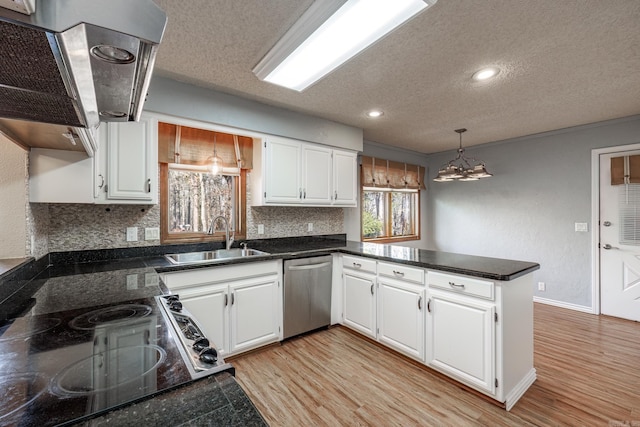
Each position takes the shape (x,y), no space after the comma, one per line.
(328,34)
(374,114)
(485,74)
(463,171)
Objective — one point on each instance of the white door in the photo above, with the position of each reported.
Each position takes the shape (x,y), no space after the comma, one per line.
(254,313)
(316,170)
(345,180)
(619,244)
(282,172)
(461,335)
(359,303)
(209,305)
(401,316)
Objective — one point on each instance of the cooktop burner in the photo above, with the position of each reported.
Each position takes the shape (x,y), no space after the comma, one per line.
(110,315)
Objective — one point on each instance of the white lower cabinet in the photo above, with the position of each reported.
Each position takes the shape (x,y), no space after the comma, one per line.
(239,307)
(461,336)
(401,308)
(359,301)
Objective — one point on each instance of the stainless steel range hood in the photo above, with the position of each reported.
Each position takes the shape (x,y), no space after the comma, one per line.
(74,63)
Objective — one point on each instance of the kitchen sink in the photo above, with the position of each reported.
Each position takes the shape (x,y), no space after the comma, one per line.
(212,256)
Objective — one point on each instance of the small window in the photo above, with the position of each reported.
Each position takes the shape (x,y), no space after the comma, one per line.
(389,215)
(390,200)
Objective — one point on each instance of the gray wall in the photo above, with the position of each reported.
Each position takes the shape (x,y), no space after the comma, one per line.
(527,210)
(183,100)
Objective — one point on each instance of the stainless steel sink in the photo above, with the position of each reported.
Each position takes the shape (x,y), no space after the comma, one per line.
(212,256)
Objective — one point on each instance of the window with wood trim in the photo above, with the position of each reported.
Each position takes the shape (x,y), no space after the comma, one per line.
(191,196)
(390,200)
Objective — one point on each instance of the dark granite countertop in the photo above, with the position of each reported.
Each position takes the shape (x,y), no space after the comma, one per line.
(484,267)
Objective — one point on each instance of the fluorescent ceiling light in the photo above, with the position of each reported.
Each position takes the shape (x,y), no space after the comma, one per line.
(328,34)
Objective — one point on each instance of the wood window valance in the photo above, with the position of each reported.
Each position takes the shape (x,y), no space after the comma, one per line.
(190,146)
(384,173)
(625,170)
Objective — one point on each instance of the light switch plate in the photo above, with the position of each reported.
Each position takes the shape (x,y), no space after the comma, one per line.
(310,226)
(132,281)
(132,234)
(152,233)
(582,227)
(260,228)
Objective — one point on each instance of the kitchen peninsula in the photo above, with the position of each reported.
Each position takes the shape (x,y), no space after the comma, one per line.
(484,290)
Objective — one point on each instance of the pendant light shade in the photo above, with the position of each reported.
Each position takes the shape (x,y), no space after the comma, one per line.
(215,162)
(463,171)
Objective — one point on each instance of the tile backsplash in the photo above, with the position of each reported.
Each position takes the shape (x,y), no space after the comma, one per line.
(72,227)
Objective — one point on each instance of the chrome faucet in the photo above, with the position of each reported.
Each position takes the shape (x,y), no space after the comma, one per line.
(212,228)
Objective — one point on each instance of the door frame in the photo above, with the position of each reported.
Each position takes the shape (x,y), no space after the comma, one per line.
(595,217)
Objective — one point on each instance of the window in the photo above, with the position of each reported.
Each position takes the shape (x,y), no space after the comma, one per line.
(190,195)
(390,200)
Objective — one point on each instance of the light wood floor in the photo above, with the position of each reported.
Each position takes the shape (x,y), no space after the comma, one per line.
(588,375)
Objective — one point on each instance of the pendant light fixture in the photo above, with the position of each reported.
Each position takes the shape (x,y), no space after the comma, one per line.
(463,171)
(215,161)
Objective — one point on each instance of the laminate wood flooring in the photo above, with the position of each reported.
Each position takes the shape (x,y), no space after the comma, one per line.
(588,371)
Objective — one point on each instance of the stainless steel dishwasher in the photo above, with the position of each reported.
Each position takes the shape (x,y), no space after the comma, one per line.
(307,294)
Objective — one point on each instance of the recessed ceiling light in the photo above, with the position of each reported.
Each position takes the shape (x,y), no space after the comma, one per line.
(485,74)
(374,114)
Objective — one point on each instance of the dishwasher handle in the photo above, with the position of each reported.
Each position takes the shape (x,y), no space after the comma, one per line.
(308,267)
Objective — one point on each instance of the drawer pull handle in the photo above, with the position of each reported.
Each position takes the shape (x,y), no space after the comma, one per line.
(398,273)
(456,285)
(420,303)
(357,265)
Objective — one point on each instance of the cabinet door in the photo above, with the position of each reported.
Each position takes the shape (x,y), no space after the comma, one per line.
(316,175)
(132,161)
(345,181)
(254,317)
(461,338)
(401,317)
(359,303)
(209,306)
(282,172)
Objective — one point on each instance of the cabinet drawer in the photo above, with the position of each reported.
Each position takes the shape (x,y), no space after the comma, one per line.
(221,274)
(401,272)
(360,264)
(462,284)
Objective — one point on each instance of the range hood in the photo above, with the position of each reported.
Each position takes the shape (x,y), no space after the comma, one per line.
(74,63)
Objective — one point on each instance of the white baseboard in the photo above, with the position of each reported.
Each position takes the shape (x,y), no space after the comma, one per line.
(562,304)
(516,393)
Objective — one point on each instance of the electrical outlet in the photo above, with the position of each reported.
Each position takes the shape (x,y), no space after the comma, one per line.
(150,279)
(541,286)
(581,227)
(132,234)
(260,228)
(132,282)
(152,233)
(310,226)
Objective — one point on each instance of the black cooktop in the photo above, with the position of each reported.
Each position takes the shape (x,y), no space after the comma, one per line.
(85,344)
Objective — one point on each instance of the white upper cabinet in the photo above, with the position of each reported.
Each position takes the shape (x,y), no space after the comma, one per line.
(128,161)
(293,173)
(124,169)
(282,181)
(316,174)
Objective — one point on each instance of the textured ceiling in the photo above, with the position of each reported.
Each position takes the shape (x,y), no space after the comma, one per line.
(564,63)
